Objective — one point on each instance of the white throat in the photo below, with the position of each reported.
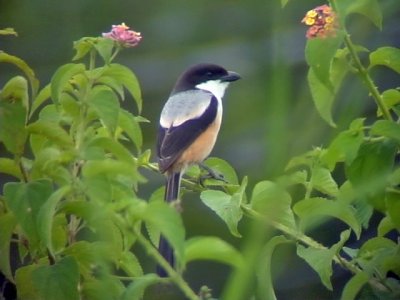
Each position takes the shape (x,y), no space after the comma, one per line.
(216,87)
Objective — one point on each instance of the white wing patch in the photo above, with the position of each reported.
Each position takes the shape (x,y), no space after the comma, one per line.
(184,106)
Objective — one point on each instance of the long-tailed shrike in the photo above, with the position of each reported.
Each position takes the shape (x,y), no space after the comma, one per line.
(188,129)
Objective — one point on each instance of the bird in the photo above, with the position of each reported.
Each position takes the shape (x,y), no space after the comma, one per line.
(188,128)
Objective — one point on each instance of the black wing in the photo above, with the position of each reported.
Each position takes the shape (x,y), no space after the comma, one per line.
(171,142)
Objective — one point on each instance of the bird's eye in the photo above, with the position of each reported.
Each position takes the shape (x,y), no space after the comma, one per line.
(209,74)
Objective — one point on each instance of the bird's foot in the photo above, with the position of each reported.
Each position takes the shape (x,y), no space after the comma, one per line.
(212,174)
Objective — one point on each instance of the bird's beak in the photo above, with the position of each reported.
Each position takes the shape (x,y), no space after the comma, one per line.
(231,76)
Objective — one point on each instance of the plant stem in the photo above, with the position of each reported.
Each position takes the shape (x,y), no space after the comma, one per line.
(174,275)
(79,137)
(92,59)
(287,230)
(362,71)
(311,243)
(22,169)
(241,281)
(117,50)
(366,78)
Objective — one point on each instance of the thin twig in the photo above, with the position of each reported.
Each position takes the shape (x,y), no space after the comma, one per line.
(173,275)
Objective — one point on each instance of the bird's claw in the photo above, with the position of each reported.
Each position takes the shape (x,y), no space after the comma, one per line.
(211,174)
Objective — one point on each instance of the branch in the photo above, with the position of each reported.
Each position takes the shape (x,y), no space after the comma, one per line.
(174,275)
(301,237)
(363,73)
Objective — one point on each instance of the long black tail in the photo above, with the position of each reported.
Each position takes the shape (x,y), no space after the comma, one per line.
(171,194)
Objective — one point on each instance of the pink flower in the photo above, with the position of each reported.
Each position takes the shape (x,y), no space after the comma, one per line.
(322,21)
(124,36)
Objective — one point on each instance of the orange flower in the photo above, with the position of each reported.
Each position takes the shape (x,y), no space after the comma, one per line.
(322,21)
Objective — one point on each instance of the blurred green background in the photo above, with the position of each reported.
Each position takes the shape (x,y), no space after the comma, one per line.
(268,115)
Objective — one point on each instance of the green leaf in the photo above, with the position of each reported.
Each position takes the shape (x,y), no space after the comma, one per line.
(137,288)
(390,98)
(43,95)
(104,101)
(22,65)
(153,232)
(322,96)
(272,201)
(222,204)
(83,46)
(61,79)
(297,177)
(130,264)
(105,287)
(110,168)
(226,206)
(305,159)
(71,108)
(326,73)
(9,166)
(379,255)
(48,163)
(102,227)
(130,126)
(212,248)
(8,31)
(284,2)
(364,211)
(128,79)
(98,188)
(354,286)
(59,232)
(45,217)
(53,132)
(168,221)
(59,281)
(7,225)
(393,207)
(386,56)
(26,288)
(16,91)
(386,225)
(321,259)
(114,147)
(386,128)
(25,201)
(12,126)
(265,287)
(394,178)
(323,181)
(104,47)
(112,83)
(340,67)
(369,172)
(319,55)
(311,209)
(87,255)
(367,8)
(50,113)
(346,145)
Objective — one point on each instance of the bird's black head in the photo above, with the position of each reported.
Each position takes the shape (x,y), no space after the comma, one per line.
(202,73)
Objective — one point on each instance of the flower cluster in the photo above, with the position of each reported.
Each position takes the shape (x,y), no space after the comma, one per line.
(322,21)
(124,36)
